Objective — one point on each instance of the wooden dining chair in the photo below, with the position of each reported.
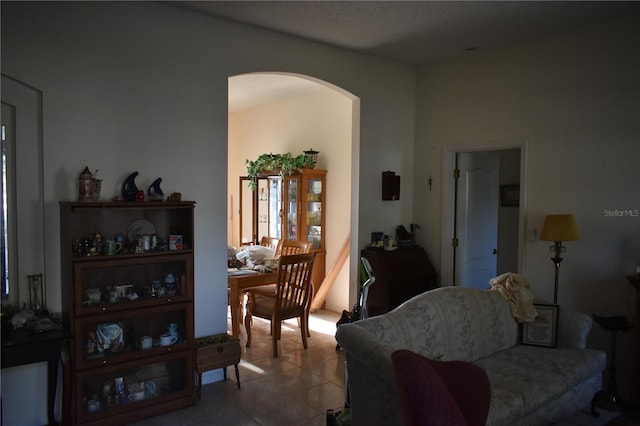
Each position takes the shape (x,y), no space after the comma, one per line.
(289,247)
(293,293)
(286,248)
(272,243)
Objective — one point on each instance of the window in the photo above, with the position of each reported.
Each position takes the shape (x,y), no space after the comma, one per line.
(22,190)
(7,182)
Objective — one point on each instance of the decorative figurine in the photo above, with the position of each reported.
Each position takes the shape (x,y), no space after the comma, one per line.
(175,196)
(129,188)
(96,186)
(154,191)
(92,343)
(85,189)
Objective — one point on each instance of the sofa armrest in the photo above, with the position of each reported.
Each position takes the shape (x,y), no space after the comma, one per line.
(573,328)
(361,345)
(372,388)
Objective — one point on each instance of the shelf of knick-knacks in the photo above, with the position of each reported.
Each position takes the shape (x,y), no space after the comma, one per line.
(130,308)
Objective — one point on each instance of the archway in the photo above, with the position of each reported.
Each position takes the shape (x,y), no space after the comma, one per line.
(285,112)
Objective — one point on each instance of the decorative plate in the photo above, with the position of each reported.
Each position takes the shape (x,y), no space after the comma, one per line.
(140,227)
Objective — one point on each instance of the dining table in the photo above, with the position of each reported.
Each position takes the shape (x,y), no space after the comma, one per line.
(238,281)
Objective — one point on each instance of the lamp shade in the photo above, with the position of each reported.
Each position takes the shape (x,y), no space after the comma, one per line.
(559,227)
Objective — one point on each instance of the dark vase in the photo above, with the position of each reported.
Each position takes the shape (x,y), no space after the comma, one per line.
(154,192)
(129,188)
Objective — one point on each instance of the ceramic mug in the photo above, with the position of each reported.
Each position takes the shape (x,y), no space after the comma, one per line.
(150,388)
(136,391)
(167,339)
(146,242)
(119,242)
(136,396)
(94,295)
(109,247)
(93,406)
(173,329)
(146,342)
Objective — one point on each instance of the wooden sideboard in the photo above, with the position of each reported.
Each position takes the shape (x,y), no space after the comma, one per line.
(634,280)
(400,275)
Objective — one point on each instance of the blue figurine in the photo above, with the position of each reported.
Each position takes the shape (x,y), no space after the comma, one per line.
(129,188)
(154,192)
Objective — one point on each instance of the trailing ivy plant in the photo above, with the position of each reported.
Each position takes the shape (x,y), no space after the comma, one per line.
(284,164)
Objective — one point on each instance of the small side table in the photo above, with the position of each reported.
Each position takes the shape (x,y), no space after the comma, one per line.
(22,346)
(218,351)
(608,399)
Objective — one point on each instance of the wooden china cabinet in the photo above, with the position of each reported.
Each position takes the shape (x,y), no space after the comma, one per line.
(287,207)
(129,306)
(304,201)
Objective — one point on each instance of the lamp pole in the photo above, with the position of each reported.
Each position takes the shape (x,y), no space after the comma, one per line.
(556,259)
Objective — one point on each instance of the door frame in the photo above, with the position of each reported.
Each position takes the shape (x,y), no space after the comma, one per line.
(448,200)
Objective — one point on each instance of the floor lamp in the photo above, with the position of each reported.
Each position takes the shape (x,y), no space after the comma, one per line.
(558,228)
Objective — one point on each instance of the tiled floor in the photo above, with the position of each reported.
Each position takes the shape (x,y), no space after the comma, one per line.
(294,389)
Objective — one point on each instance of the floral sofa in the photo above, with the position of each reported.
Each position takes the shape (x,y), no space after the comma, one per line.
(530,385)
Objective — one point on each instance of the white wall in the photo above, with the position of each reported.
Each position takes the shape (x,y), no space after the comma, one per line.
(322,121)
(508,215)
(574,98)
(143,86)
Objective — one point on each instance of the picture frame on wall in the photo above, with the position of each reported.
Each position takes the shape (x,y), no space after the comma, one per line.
(510,195)
(543,330)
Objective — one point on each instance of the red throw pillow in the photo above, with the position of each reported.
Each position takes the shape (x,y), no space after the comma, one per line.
(440,393)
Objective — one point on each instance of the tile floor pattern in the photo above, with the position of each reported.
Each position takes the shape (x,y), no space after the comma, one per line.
(294,389)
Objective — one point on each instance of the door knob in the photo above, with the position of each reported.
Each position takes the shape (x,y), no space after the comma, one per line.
(495,251)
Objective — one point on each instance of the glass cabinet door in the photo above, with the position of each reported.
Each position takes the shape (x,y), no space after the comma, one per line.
(105,285)
(314,212)
(269,207)
(275,207)
(133,386)
(133,334)
(260,210)
(291,232)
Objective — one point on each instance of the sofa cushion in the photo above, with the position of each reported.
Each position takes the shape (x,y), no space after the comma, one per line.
(479,323)
(528,377)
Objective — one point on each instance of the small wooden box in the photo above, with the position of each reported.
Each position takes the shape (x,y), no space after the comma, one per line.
(217,351)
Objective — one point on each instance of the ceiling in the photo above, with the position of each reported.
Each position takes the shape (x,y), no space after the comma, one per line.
(415,32)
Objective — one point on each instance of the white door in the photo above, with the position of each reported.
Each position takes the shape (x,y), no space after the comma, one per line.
(477,219)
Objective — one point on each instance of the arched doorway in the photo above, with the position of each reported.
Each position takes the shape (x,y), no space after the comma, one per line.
(284,112)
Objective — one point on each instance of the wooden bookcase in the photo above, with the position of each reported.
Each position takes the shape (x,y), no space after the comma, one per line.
(114,303)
